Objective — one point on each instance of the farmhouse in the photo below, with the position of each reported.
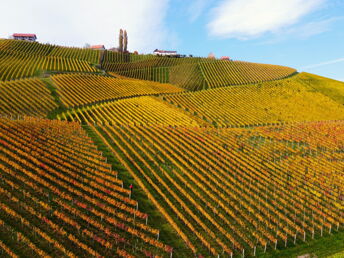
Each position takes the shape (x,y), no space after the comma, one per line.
(164,53)
(98,47)
(24,36)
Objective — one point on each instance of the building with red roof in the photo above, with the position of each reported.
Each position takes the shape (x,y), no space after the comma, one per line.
(24,36)
(225,58)
(98,47)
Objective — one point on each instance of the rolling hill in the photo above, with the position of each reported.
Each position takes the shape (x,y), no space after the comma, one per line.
(108,154)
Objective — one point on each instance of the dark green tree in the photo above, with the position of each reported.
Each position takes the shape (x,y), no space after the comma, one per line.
(120,47)
(125,41)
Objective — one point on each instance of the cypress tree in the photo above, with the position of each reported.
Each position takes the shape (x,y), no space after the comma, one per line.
(125,41)
(120,47)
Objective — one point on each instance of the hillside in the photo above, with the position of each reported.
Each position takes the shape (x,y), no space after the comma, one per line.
(199,73)
(288,100)
(81,89)
(58,194)
(331,88)
(108,154)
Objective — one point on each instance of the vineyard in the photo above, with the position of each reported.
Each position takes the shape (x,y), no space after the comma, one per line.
(133,111)
(290,190)
(60,197)
(234,73)
(15,66)
(77,89)
(271,102)
(38,49)
(197,74)
(25,97)
(108,154)
(22,60)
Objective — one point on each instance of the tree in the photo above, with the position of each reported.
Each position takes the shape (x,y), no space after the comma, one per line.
(211,55)
(125,41)
(120,47)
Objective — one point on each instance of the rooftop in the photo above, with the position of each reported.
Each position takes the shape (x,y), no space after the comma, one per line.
(24,35)
(164,51)
(97,46)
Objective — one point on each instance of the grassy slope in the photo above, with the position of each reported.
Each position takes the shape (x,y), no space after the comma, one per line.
(322,247)
(61,108)
(331,88)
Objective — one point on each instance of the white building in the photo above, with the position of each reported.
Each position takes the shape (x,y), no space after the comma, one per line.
(164,53)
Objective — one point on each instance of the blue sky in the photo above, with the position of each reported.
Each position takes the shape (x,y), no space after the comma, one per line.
(305,34)
(314,42)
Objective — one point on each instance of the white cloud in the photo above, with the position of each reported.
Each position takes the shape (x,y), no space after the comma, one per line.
(252,18)
(197,7)
(303,31)
(335,61)
(76,22)
(311,28)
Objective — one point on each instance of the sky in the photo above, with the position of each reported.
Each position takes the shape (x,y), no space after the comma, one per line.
(305,34)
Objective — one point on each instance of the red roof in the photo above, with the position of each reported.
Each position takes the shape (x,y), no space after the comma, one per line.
(97,46)
(225,57)
(24,35)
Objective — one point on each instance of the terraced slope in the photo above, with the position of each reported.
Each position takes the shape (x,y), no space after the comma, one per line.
(59,198)
(25,97)
(239,191)
(81,89)
(271,102)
